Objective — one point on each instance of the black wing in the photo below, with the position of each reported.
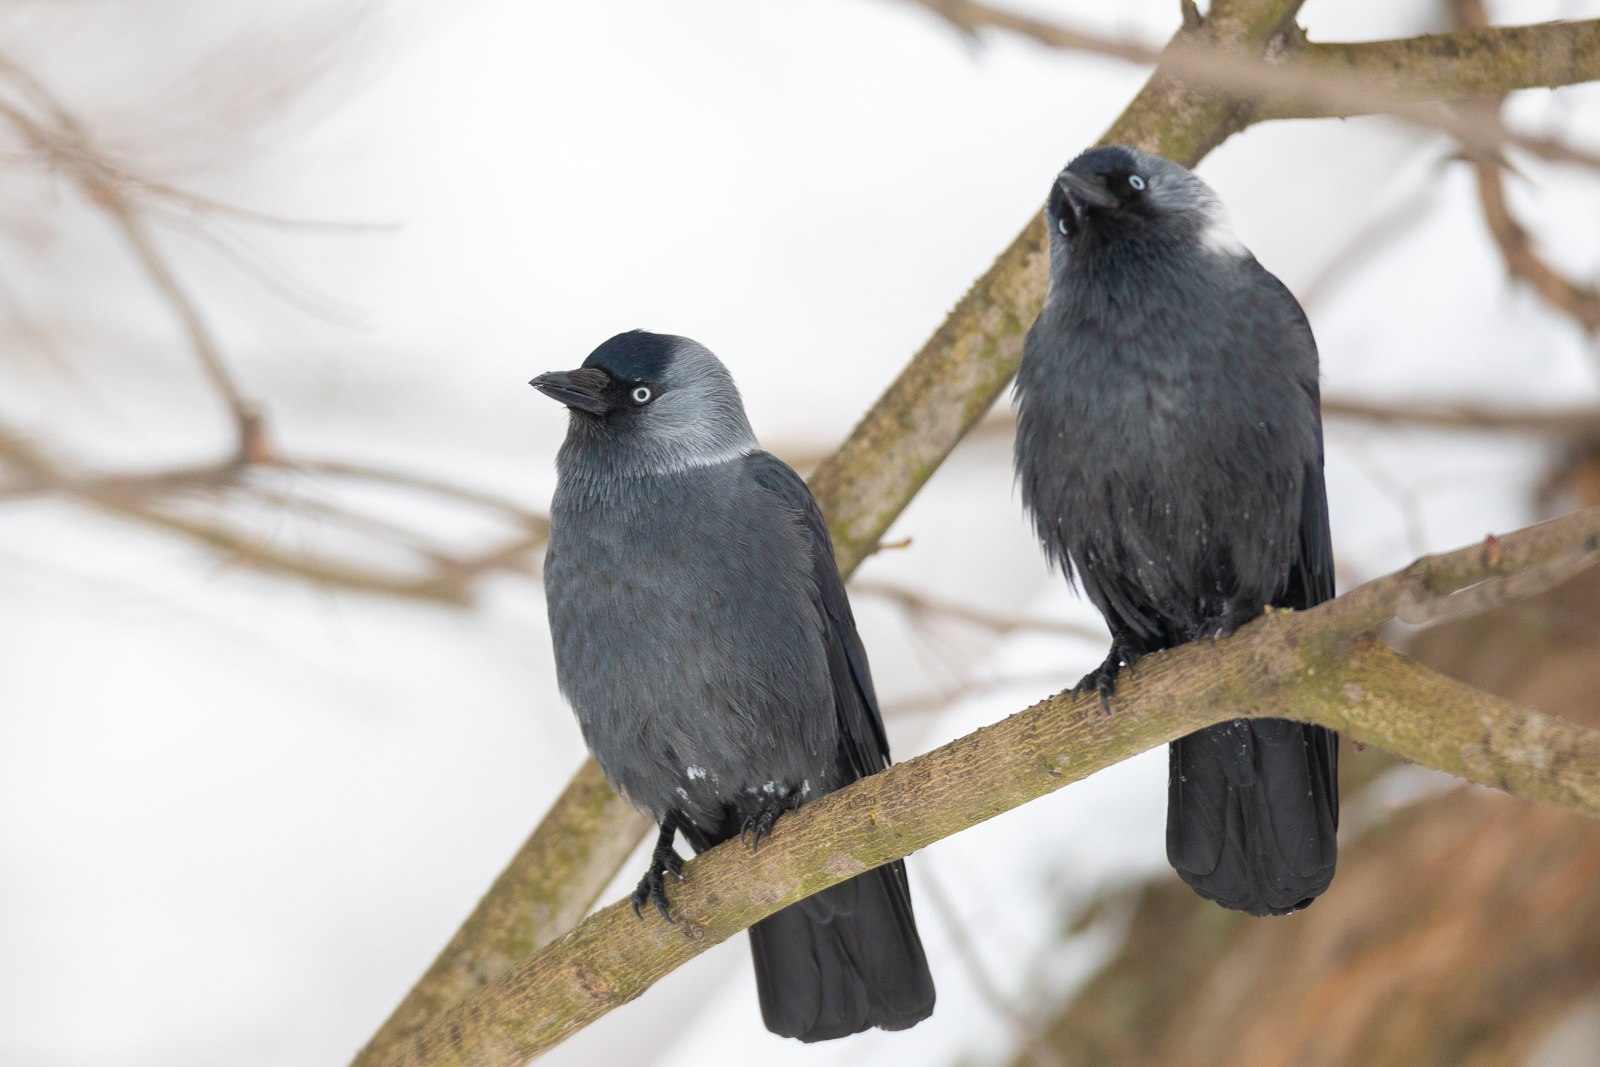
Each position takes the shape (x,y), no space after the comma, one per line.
(849,957)
(1311,575)
(865,747)
(1253,806)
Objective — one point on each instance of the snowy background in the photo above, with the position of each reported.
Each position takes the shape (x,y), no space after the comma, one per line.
(239,814)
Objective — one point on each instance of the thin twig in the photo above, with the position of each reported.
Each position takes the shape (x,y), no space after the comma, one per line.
(69,147)
(1028,1034)
(1581,303)
(919,604)
(151,498)
(1577,424)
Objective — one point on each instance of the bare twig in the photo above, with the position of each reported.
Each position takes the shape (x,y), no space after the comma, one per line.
(918,605)
(1028,1034)
(69,147)
(153,498)
(1580,303)
(1577,424)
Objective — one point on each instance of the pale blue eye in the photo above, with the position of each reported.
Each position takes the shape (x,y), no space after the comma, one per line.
(641,394)
(1136,182)
(1061,224)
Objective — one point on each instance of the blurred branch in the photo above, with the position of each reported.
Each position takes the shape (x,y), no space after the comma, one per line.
(1028,1034)
(1321,665)
(1578,424)
(65,143)
(164,499)
(152,498)
(920,607)
(1580,303)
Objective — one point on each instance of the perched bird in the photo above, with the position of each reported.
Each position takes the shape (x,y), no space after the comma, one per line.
(703,637)
(1169,450)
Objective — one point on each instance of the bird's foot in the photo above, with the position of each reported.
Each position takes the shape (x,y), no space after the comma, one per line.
(758,824)
(1103,679)
(652,887)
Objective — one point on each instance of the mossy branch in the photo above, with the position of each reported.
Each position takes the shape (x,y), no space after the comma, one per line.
(1321,665)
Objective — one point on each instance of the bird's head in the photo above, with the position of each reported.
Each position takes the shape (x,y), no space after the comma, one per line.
(1117,194)
(653,403)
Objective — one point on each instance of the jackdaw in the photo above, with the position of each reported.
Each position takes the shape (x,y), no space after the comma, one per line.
(1169,450)
(703,638)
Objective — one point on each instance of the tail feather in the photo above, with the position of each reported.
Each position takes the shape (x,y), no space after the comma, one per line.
(1252,813)
(843,960)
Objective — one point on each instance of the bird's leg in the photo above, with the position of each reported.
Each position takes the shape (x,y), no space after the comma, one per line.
(664,860)
(1103,679)
(759,823)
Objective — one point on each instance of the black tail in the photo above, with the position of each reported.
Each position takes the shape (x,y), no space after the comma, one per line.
(1252,810)
(843,960)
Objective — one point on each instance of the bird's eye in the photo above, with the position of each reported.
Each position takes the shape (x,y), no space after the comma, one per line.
(642,394)
(1061,224)
(1135,182)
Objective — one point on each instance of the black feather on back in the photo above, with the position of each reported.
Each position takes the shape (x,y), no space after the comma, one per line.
(864,746)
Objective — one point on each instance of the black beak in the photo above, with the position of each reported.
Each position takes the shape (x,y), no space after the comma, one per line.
(1085,191)
(584,389)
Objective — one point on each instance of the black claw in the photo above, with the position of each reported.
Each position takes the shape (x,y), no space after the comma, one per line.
(652,887)
(763,827)
(1103,679)
(759,823)
(672,864)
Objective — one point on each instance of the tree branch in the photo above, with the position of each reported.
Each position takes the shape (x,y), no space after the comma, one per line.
(1321,665)
(1478,61)
(1343,80)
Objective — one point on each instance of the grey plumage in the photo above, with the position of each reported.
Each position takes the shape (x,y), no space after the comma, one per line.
(1169,451)
(705,642)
